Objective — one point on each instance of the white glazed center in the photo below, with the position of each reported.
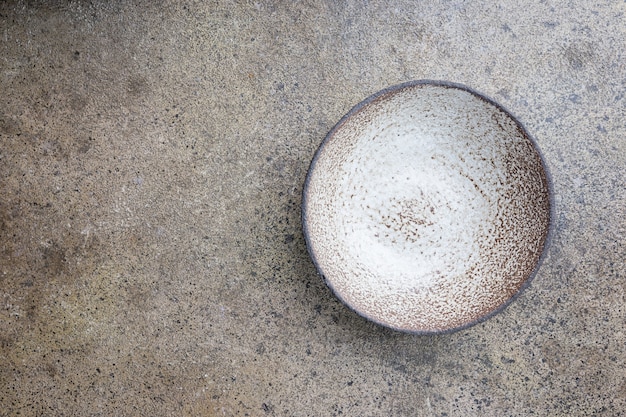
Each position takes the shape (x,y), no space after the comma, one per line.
(410,212)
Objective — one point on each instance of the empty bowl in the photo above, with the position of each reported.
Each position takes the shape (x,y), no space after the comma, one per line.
(427,208)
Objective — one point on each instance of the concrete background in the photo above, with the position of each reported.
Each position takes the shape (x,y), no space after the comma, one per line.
(152,156)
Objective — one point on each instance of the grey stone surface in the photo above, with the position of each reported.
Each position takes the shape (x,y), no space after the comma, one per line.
(152,156)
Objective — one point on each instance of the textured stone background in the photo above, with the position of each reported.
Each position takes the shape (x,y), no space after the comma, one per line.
(152,156)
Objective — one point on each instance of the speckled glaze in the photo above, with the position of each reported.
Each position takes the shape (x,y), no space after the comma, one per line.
(427,208)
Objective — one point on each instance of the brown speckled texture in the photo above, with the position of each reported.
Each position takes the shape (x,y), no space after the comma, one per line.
(152,156)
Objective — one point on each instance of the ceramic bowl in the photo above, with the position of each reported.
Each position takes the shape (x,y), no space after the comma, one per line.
(427,208)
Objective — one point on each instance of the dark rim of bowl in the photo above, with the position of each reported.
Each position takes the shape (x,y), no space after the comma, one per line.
(390,91)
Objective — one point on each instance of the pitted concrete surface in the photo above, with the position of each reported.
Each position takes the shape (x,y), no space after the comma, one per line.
(152,157)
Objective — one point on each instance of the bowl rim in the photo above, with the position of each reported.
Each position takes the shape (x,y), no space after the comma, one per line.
(391,91)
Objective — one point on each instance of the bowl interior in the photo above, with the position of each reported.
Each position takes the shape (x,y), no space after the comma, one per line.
(427,207)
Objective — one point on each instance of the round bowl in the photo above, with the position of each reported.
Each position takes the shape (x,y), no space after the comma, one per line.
(427,208)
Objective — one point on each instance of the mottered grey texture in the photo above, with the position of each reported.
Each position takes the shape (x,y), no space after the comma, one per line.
(152,159)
